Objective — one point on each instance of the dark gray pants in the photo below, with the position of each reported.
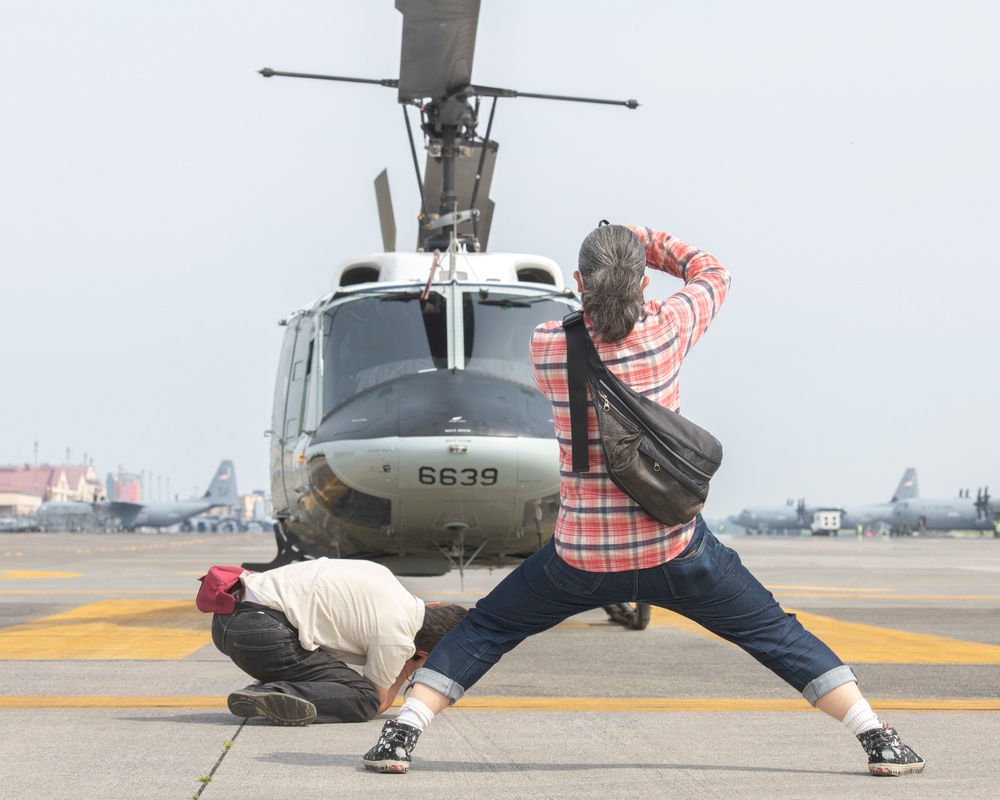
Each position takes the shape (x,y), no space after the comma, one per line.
(265,645)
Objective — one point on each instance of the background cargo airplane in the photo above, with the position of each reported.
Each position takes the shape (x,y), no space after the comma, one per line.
(221,492)
(961,513)
(797,517)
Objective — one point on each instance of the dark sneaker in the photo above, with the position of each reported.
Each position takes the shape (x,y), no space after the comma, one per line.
(887,755)
(281,709)
(391,753)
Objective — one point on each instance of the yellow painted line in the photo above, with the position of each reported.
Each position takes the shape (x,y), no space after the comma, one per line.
(25,574)
(161,629)
(193,591)
(182,592)
(700,704)
(111,630)
(773,586)
(37,701)
(867,644)
(857,643)
(960,597)
(615,704)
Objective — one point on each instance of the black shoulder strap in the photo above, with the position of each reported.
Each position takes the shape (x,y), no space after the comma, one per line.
(576,371)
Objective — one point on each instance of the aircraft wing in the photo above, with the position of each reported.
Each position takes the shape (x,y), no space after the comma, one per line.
(126,512)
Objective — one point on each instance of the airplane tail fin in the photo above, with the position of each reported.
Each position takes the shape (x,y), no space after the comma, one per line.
(222,490)
(907,488)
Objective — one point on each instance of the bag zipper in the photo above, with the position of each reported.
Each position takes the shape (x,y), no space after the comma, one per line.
(664,445)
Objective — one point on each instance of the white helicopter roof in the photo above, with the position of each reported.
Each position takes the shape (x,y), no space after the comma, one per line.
(474,267)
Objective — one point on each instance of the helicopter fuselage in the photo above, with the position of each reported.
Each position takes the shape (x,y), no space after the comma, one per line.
(407,427)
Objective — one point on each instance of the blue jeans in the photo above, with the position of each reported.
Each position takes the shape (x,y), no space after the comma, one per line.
(706,583)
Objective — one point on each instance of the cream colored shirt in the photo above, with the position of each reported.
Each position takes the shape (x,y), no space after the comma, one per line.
(356,610)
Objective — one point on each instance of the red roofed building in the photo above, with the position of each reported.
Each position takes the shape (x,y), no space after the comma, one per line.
(52,483)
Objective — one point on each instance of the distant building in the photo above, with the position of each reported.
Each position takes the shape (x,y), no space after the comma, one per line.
(18,504)
(124,486)
(47,483)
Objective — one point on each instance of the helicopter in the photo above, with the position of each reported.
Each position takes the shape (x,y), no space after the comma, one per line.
(406,426)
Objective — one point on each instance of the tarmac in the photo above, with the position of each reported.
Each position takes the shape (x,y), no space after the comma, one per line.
(110,686)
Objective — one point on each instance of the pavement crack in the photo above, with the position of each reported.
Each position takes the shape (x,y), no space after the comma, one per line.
(227,745)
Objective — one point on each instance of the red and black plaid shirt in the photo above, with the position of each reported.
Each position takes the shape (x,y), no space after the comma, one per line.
(600,528)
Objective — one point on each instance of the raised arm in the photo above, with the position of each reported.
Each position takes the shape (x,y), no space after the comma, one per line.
(706,282)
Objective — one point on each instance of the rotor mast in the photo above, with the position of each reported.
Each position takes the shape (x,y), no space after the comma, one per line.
(435,74)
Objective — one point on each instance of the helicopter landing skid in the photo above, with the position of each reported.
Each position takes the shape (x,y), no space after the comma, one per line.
(290,549)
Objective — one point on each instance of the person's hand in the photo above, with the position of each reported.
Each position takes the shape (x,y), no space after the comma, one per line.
(641,231)
(413,665)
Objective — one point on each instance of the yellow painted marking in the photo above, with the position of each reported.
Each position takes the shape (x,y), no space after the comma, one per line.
(990,597)
(869,594)
(194,590)
(868,644)
(615,704)
(855,642)
(28,701)
(699,704)
(181,592)
(110,630)
(25,574)
(164,629)
(774,587)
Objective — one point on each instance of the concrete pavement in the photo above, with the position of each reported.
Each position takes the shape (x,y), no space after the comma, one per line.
(110,686)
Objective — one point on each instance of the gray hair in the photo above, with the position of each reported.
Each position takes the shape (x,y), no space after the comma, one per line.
(612,263)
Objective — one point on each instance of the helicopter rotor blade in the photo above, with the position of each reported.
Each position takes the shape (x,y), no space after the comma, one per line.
(267,72)
(439,42)
(492,91)
(386,218)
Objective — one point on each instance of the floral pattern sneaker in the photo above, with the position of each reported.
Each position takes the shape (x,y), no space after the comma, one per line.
(391,753)
(887,755)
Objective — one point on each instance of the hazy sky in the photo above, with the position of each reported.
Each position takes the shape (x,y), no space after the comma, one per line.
(162,206)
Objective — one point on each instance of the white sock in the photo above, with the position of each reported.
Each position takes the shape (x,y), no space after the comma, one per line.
(861,718)
(415,714)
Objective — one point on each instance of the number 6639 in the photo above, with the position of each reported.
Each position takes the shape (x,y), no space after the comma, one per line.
(448,476)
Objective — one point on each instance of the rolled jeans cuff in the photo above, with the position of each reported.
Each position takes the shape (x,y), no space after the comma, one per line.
(827,682)
(439,683)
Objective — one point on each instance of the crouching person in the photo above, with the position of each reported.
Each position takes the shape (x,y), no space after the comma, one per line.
(298,629)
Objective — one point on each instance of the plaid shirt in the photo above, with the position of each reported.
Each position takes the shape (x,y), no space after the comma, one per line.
(599,528)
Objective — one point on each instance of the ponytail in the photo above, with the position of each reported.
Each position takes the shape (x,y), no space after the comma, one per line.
(612,264)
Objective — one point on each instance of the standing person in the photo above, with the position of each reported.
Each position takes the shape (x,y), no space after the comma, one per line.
(605,549)
(298,627)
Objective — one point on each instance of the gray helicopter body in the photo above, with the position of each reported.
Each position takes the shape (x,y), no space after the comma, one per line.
(407,427)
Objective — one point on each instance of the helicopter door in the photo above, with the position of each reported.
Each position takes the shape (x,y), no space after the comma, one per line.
(277,431)
(297,406)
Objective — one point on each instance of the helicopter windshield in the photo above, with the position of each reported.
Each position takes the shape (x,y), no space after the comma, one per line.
(497,329)
(372,340)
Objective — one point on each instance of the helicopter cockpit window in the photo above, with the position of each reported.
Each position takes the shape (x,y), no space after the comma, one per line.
(497,329)
(375,339)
